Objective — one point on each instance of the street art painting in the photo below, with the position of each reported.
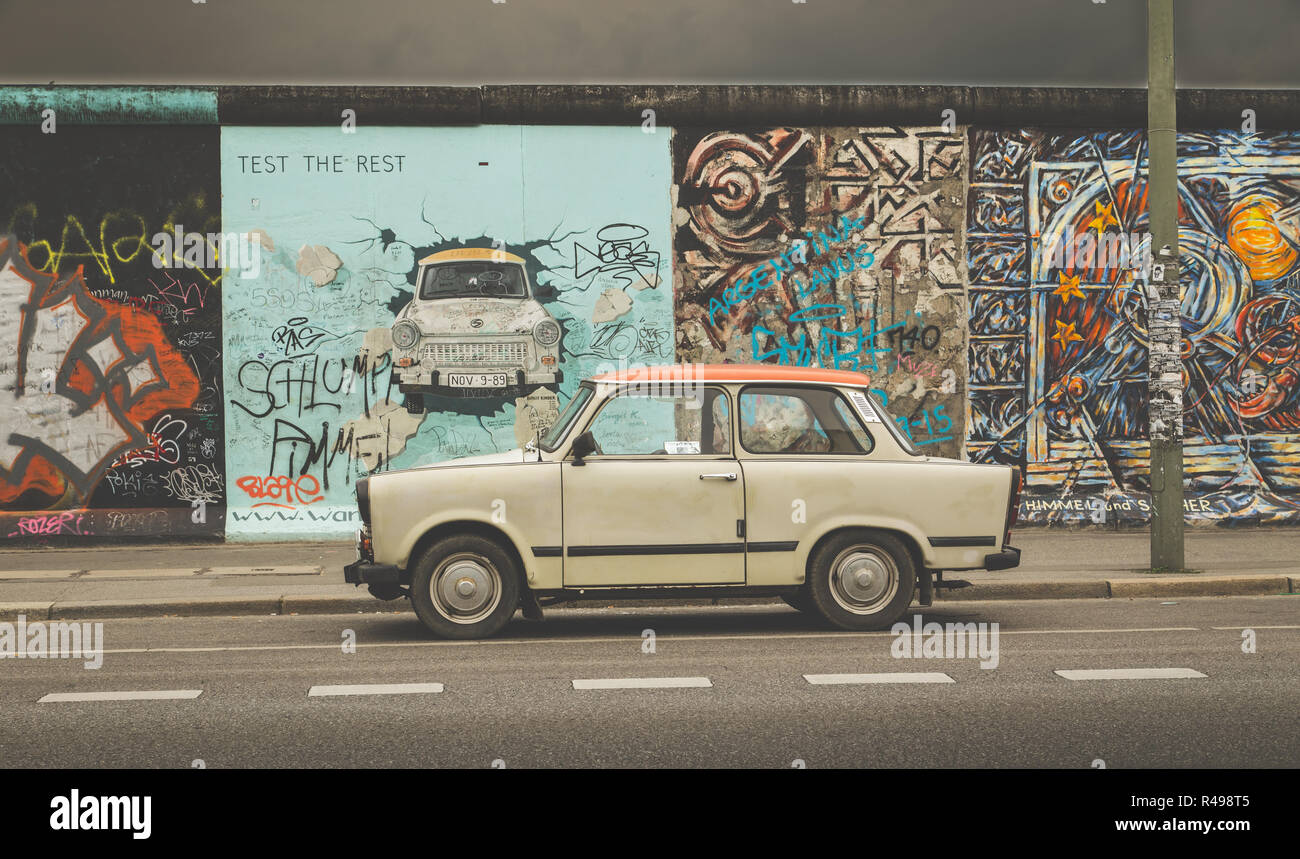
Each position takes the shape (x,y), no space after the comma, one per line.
(110,354)
(426,294)
(828,247)
(1057,242)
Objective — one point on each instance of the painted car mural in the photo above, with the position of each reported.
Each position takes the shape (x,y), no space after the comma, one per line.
(473,328)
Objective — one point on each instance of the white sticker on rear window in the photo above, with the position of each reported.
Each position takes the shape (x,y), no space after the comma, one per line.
(864,407)
(682,446)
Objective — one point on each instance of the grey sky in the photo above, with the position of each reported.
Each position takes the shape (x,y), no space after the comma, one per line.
(1220,43)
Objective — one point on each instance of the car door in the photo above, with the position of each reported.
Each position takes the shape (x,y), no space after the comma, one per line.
(807,460)
(662,501)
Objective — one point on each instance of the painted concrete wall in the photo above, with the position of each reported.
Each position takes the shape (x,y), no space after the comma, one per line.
(311,405)
(1057,368)
(189,391)
(111,400)
(878,285)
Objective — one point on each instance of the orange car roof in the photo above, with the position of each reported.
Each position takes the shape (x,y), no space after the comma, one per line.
(735,373)
(486,254)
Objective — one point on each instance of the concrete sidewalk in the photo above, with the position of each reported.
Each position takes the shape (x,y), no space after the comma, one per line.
(307,578)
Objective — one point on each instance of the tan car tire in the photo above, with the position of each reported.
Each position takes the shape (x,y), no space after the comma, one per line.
(465,586)
(861,580)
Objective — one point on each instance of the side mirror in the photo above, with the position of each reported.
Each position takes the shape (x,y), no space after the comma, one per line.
(583,446)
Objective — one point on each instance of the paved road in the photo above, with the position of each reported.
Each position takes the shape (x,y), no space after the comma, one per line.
(513,699)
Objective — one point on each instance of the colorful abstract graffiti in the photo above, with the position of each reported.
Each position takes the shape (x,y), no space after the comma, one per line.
(110,361)
(1057,362)
(84,385)
(827,247)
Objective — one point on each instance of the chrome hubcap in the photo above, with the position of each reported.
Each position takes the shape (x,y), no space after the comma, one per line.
(465,588)
(863,579)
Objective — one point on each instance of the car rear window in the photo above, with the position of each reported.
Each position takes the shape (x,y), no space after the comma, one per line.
(789,420)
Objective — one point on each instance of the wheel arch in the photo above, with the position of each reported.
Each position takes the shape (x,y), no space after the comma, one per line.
(909,541)
(487,530)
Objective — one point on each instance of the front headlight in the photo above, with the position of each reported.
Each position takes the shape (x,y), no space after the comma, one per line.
(546,332)
(405,334)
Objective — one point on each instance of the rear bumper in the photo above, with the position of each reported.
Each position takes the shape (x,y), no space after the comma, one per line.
(1006,559)
(366,573)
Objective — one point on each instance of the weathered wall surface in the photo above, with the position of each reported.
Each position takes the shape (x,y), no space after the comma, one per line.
(111,395)
(1058,346)
(828,247)
(343,220)
(981,269)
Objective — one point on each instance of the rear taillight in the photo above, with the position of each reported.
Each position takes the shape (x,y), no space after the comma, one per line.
(1013,503)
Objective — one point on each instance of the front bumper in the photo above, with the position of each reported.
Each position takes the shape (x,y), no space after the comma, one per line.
(363,572)
(1006,559)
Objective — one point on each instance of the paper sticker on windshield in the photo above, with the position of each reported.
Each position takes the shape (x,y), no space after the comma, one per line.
(682,446)
(864,407)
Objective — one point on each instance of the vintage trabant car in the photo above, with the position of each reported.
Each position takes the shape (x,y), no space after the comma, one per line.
(689,481)
(473,327)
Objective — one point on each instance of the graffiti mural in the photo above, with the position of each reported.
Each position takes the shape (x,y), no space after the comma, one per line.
(445,307)
(1057,242)
(110,353)
(828,247)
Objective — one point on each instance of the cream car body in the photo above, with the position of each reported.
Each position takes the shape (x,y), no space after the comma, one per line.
(738,501)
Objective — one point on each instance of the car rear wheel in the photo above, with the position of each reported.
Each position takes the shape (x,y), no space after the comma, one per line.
(862,580)
(465,586)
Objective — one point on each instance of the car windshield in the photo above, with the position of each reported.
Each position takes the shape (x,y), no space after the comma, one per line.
(556,433)
(473,280)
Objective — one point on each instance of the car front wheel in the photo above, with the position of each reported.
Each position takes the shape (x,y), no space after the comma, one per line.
(862,580)
(465,586)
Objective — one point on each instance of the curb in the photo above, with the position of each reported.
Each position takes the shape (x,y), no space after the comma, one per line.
(1201,586)
(189,607)
(1123,588)
(1025,591)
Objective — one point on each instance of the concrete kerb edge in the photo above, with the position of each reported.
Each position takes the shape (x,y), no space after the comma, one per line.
(364,603)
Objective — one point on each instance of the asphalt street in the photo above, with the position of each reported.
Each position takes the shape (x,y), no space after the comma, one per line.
(736,686)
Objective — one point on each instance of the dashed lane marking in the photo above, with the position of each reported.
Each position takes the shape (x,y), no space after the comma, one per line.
(645,683)
(144,695)
(375,689)
(1129,674)
(897,677)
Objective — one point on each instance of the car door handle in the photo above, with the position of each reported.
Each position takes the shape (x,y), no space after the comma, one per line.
(721,475)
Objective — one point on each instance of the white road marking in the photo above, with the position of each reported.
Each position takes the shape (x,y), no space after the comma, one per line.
(149,695)
(899,677)
(375,689)
(1256,627)
(153,573)
(1098,631)
(618,639)
(645,683)
(1129,674)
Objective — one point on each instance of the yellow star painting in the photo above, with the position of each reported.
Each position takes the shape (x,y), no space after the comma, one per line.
(1065,333)
(1103,216)
(1069,286)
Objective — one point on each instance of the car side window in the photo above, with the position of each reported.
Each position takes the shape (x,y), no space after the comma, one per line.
(799,421)
(693,423)
(854,424)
